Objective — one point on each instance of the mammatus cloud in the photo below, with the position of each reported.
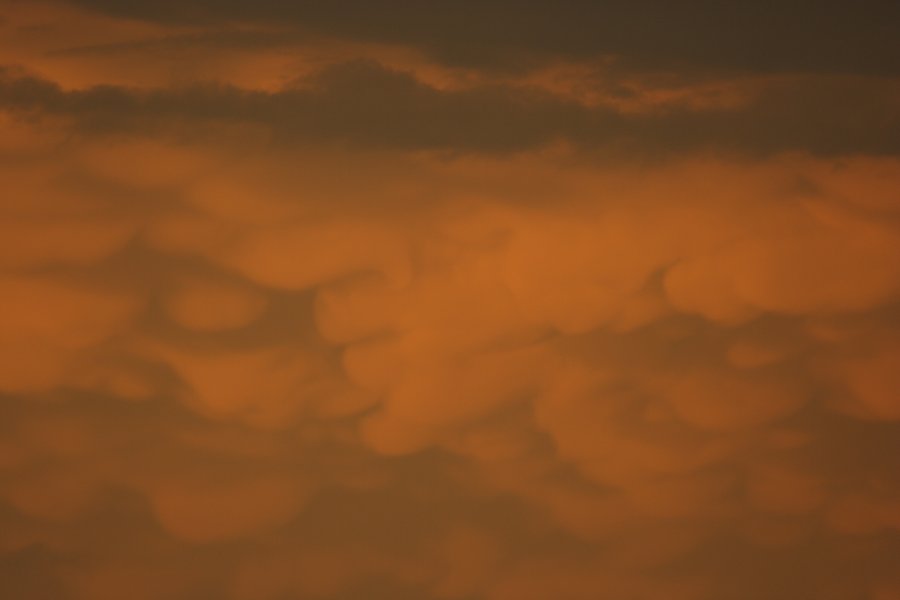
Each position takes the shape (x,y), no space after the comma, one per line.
(406,329)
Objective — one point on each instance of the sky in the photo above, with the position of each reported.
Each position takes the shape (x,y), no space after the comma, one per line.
(494,300)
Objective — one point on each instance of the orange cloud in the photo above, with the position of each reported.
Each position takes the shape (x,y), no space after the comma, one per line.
(278,335)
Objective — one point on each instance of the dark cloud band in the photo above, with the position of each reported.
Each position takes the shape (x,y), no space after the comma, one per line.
(363,103)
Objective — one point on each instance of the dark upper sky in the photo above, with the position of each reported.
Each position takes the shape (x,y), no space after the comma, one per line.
(801,35)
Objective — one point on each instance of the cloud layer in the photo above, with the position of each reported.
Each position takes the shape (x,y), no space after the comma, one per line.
(350,315)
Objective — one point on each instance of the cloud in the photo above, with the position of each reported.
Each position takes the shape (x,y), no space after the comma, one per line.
(398,329)
(557,332)
(364,103)
(48,325)
(213,512)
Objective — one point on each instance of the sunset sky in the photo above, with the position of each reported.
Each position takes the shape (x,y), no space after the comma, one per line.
(471,300)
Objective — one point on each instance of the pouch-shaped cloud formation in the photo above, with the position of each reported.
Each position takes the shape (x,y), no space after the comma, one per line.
(340,334)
